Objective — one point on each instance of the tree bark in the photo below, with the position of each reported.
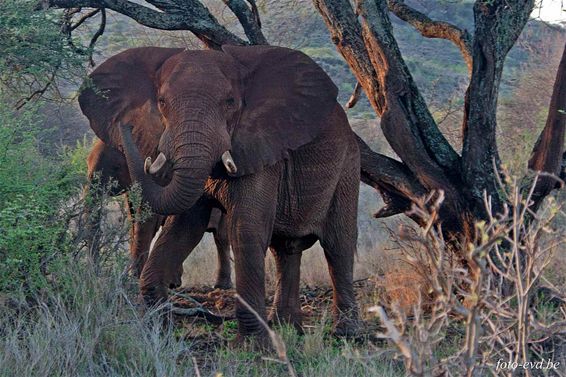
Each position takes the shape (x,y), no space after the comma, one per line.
(498,25)
(371,51)
(549,148)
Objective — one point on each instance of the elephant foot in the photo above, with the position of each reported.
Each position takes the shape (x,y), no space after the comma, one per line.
(175,283)
(287,316)
(154,295)
(347,324)
(223,284)
(347,329)
(175,279)
(258,342)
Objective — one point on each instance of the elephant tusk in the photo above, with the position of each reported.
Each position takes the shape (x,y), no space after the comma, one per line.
(229,163)
(147,165)
(156,166)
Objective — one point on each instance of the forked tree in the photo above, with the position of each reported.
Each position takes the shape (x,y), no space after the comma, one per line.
(363,34)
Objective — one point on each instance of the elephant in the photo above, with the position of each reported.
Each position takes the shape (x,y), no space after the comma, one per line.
(106,167)
(255,131)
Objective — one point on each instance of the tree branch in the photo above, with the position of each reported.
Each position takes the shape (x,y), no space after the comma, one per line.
(139,13)
(249,19)
(174,15)
(395,182)
(373,55)
(83,18)
(355,97)
(376,61)
(39,92)
(205,26)
(346,34)
(97,35)
(255,11)
(406,122)
(434,29)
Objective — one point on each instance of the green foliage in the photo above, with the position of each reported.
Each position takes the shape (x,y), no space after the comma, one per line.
(229,330)
(33,191)
(76,156)
(33,49)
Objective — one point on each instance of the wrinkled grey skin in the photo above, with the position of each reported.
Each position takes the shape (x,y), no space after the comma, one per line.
(294,170)
(106,164)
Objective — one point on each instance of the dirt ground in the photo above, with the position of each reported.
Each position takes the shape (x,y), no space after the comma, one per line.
(208,322)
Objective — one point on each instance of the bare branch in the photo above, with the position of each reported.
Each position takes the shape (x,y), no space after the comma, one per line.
(38,93)
(97,35)
(255,12)
(434,29)
(139,13)
(365,40)
(249,19)
(175,15)
(373,55)
(203,24)
(355,96)
(83,18)
(346,34)
(409,354)
(406,121)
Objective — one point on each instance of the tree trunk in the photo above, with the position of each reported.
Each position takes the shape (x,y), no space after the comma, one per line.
(551,140)
(364,36)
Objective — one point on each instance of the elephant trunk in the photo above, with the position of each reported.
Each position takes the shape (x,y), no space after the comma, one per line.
(191,168)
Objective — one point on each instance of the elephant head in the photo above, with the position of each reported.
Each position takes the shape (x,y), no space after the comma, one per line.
(242,108)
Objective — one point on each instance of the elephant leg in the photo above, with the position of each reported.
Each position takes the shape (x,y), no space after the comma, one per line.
(223,269)
(339,244)
(141,235)
(251,224)
(249,254)
(286,306)
(179,236)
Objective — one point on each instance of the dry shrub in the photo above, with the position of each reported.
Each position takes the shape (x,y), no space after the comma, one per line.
(405,288)
(499,309)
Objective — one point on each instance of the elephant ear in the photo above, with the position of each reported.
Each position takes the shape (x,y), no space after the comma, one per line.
(123,90)
(287,97)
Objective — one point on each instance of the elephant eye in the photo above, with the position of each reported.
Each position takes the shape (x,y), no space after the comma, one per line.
(230,102)
(161,101)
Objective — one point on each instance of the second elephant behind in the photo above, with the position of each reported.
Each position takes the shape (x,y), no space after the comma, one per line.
(108,170)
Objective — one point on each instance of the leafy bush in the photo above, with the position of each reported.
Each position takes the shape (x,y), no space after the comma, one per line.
(33,191)
(34,52)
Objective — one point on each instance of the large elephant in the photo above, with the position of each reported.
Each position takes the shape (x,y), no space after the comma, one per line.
(107,168)
(255,131)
